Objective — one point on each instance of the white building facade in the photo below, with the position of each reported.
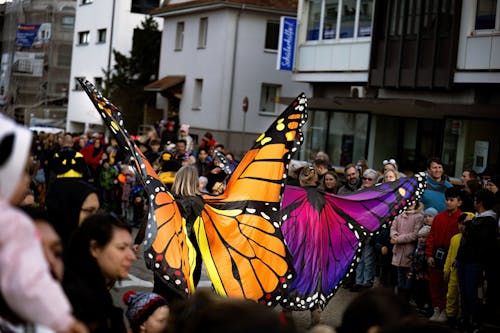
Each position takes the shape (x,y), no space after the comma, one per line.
(218,53)
(101,26)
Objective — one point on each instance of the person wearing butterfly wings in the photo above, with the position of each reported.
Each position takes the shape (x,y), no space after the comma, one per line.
(239,233)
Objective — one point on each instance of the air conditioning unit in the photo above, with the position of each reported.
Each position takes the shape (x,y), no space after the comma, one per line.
(358,92)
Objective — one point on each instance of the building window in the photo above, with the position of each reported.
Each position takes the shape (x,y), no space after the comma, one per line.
(198,88)
(144,6)
(487,15)
(98,82)
(77,86)
(343,135)
(86,2)
(269,98)
(101,36)
(67,22)
(326,21)
(202,33)
(83,37)
(179,36)
(272,33)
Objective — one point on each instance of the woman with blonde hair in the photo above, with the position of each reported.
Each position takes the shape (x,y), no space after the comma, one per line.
(188,199)
(390,175)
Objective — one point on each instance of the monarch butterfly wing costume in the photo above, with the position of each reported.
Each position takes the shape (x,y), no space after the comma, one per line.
(324,233)
(239,236)
(167,251)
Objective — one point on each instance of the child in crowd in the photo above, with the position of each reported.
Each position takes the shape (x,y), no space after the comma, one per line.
(184,135)
(28,292)
(404,234)
(419,273)
(443,227)
(146,312)
(451,273)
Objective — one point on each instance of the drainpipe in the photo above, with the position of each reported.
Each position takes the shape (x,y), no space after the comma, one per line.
(110,52)
(233,69)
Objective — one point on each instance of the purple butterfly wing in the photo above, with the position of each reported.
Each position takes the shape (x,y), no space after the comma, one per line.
(324,233)
(380,204)
(321,245)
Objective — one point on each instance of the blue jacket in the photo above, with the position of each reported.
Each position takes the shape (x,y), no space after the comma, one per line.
(434,194)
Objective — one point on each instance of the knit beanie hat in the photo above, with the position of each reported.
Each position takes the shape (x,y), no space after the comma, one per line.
(430,211)
(15,144)
(141,305)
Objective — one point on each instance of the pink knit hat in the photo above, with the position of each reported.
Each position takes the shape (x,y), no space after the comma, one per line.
(185,128)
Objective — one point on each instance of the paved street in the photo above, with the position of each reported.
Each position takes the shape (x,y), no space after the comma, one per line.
(142,279)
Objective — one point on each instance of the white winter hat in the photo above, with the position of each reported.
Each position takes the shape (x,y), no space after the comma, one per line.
(15,144)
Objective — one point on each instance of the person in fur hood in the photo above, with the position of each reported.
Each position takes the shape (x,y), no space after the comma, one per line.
(404,235)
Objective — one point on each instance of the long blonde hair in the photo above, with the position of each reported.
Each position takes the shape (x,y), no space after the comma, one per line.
(186,181)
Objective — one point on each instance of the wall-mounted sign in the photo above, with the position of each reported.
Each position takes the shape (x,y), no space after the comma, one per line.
(286,46)
(33,35)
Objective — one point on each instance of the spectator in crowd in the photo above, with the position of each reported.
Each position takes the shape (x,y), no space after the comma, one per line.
(69,202)
(28,293)
(375,310)
(353,182)
(184,135)
(92,155)
(98,255)
(153,152)
(202,163)
(294,168)
(202,187)
(404,234)
(168,134)
(209,313)
(181,155)
(434,194)
(389,175)
(321,167)
(383,249)
(419,272)
(450,271)
(365,270)
(146,312)
(468,174)
(391,164)
(67,162)
(329,182)
(443,227)
(321,155)
(478,253)
(468,194)
(51,242)
(208,141)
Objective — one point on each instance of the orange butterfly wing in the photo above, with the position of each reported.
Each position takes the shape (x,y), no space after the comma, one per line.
(167,249)
(239,236)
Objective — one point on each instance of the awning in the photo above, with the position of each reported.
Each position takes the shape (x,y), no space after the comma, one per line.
(164,83)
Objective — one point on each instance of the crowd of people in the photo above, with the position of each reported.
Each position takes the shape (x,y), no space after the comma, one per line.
(442,253)
(66,241)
